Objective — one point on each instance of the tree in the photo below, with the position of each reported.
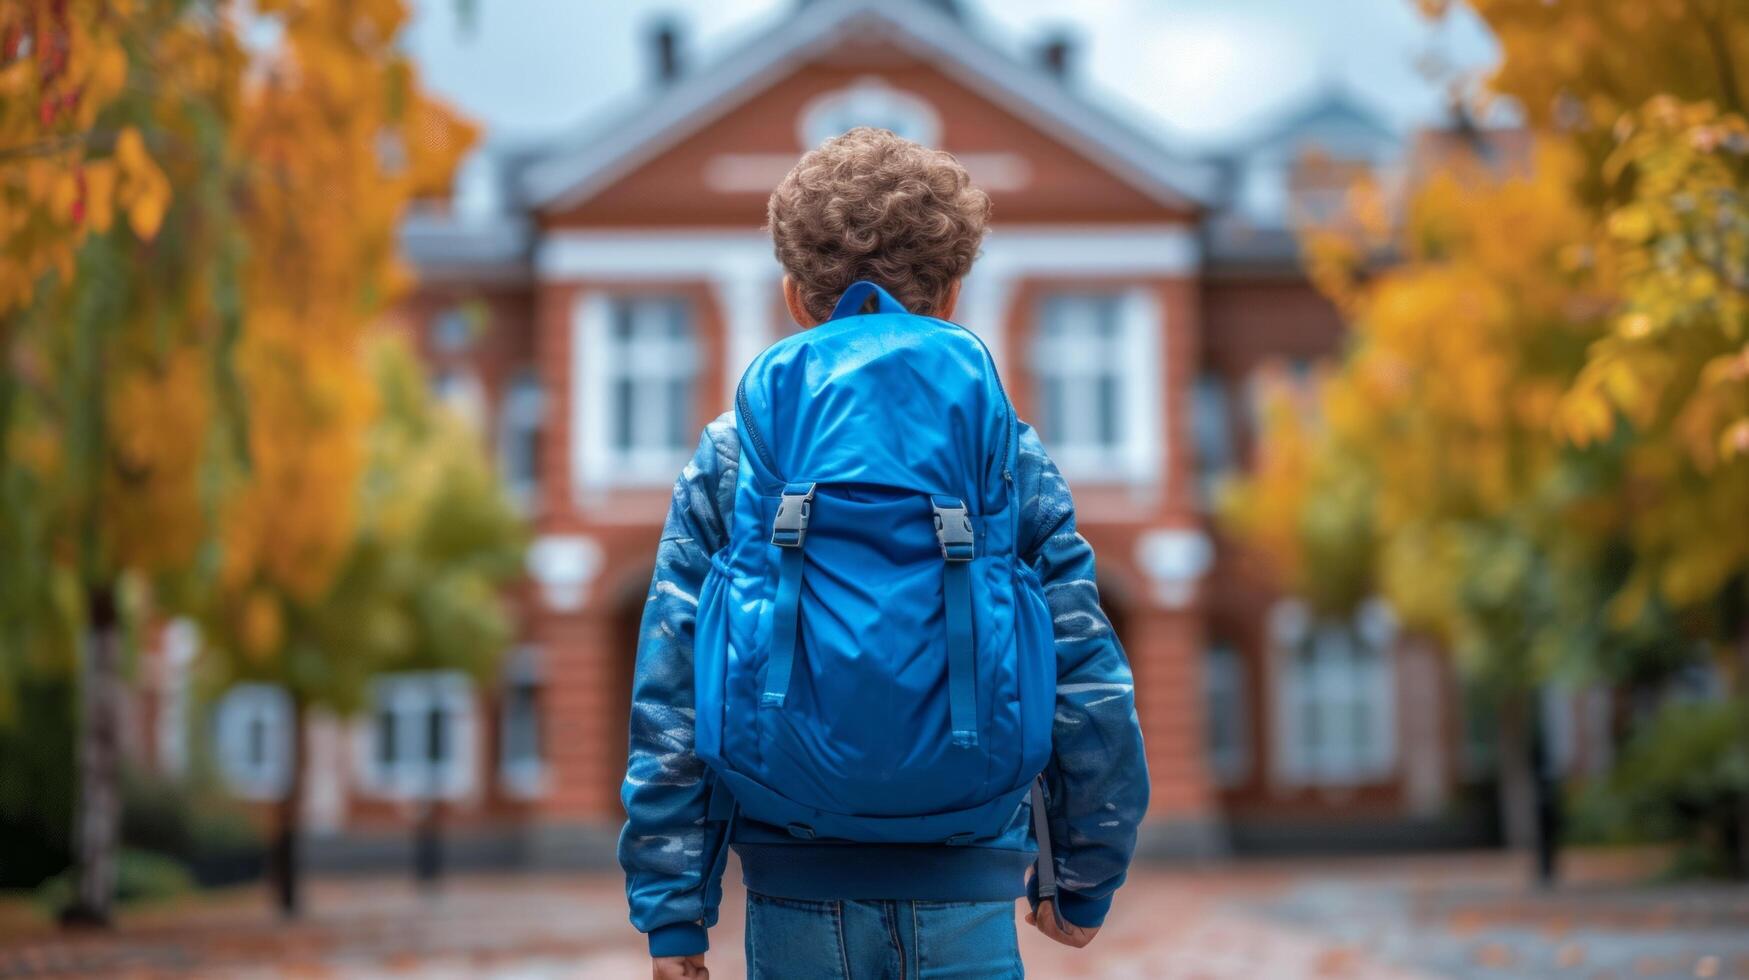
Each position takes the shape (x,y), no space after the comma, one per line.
(1541,420)
(1431,462)
(1656,95)
(198,236)
(1671,379)
(109,333)
(418,584)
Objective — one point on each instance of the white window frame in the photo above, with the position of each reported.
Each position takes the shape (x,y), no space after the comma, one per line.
(410,697)
(265,708)
(1224,690)
(523,775)
(599,363)
(1132,356)
(1351,667)
(522,416)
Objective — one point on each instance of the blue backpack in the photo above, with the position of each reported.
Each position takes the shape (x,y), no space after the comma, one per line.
(873,661)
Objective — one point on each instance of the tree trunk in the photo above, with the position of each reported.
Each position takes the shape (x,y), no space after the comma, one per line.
(97,820)
(1518,792)
(1547,781)
(287,868)
(428,846)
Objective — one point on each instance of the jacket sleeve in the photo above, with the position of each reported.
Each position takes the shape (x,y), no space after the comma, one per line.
(668,849)
(1096,784)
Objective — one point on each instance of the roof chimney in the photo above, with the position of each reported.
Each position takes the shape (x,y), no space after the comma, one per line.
(665,50)
(1056,51)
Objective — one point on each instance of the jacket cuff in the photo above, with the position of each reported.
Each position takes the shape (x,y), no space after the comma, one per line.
(1088,913)
(679,939)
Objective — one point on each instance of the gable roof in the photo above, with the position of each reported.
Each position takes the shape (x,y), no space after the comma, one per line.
(1330,114)
(571,171)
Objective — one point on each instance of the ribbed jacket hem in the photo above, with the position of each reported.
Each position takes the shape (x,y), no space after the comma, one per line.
(679,939)
(934,873)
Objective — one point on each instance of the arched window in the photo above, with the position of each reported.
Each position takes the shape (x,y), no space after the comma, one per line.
(868,102)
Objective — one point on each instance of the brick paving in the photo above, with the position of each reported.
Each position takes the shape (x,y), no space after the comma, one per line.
(1390,919)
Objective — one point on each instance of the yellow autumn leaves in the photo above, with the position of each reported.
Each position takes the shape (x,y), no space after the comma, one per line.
(1554,361)
(198,236)
(60,65)
(1678,353)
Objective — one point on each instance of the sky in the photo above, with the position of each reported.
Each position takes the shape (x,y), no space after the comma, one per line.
(1204,73)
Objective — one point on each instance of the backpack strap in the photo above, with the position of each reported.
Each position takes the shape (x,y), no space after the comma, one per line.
(788,530)
(953,528)
(1046,872)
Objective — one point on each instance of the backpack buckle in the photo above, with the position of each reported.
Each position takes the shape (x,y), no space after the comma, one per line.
(790,527)
(953,528)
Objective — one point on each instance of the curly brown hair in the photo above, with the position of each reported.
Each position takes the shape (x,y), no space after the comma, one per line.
(873,205)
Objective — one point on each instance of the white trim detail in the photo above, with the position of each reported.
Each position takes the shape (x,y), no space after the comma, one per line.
(1151,250)
(564,565)
(648,256)
(1174,560)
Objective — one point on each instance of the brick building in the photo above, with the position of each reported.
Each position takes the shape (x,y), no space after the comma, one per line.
(590,302)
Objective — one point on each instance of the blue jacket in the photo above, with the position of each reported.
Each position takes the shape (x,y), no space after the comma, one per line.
(1096,784)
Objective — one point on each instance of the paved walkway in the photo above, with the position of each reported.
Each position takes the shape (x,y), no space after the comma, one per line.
(1463,916)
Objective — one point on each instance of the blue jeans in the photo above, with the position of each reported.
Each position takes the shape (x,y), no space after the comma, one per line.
(795,939)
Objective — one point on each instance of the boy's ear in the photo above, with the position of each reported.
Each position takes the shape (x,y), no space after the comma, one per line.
(951,300)
(792,298)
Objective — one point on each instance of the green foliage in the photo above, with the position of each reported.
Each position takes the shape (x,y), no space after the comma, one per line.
(1682,778)
(196,824)
(420,583)
(36,782)
(141,876)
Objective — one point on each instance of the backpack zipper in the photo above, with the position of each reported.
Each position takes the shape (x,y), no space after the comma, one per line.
(1006,402)
(753,430)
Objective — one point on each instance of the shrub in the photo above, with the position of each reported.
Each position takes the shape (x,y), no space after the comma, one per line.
(141,876)
(198,826)
(1684,777)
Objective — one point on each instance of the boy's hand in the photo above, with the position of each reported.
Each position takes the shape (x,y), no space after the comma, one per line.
(679,968)
(1067,933)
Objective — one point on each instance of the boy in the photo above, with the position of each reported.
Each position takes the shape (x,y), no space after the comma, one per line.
(869,205)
